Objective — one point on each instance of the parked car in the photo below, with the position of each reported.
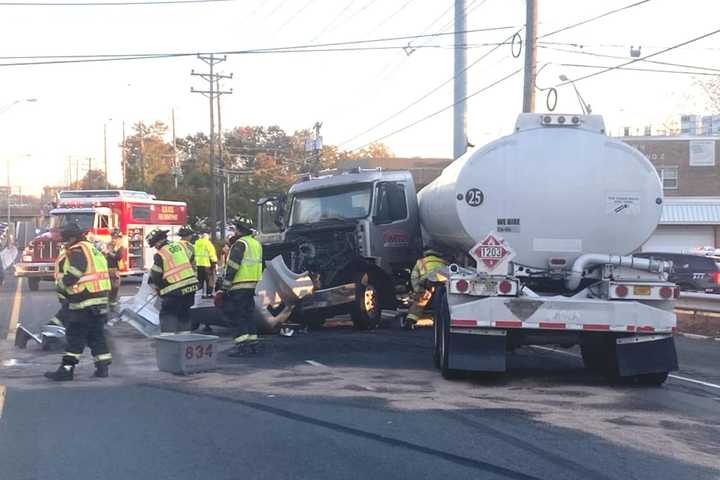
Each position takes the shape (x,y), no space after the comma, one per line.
(691,272)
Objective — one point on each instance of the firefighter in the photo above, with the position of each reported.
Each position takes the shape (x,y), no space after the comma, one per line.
(242,272)
(115,256)
(173,277)
(423,290)
(86,282)
(61,316)
(205,259)
(186,234)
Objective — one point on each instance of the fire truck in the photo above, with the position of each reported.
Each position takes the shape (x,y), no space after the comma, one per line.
(133,213)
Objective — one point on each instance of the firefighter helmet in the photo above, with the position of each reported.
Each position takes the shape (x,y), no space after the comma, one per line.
(243,225)
(156,236)
(185,231)
(71,230)
(116,233)
(431,251)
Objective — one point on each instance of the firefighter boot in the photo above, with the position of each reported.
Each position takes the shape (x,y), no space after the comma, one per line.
(101,370)
(64,373)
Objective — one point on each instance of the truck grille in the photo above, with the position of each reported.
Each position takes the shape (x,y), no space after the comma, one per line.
(45,251)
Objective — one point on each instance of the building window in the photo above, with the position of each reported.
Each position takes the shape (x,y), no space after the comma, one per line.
(141,213)
(669,177)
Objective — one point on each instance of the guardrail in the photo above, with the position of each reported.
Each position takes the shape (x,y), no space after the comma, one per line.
(699,302)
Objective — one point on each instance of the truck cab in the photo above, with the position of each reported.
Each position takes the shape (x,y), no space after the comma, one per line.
(356,234)
(38,259)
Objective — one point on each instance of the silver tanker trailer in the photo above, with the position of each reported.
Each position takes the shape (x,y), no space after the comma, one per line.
(542,224)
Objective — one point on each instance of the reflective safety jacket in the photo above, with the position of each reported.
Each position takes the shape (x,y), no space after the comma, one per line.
(422,268)
(85,276)
(205,253)
(244,264)
(190,251)
(172,272)
(58,274)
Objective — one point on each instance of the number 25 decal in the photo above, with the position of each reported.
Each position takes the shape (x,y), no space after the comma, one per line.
(474,197)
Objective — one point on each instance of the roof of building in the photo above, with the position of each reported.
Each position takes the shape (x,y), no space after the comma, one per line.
(691,211)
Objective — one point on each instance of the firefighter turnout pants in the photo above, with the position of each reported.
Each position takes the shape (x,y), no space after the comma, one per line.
(206,277)
(175,313)
(239,310)
(83,328)
(422,299)
(114,288)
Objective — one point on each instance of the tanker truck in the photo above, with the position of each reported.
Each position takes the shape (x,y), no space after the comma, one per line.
(543,223)
(540,225)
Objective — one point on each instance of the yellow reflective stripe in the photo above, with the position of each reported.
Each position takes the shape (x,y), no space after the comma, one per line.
(103,356)
(242,338)
(55,321)
(74,271)
(233,264)
(243,285)
(71,354)
(91,302)
(95,276)
(180,284)
(179,268)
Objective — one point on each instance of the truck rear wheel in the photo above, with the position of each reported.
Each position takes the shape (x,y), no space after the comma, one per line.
(365,311)
(437,322)
(444,331)
(595,353)
(33,284)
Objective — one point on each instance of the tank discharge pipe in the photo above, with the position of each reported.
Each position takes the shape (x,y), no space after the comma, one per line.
(591,259)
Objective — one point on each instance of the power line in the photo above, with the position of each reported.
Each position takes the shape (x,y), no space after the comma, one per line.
(635,60)
(392,15)
(426,95)
(286,49)
(106,4)
(651,70)
(295,15)
(438,112)
(334,19)
(618,57)
(592,19)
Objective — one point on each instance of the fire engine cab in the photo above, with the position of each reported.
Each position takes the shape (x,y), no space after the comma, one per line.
(134,214)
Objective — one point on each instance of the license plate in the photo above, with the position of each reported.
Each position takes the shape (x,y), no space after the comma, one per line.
(641,290)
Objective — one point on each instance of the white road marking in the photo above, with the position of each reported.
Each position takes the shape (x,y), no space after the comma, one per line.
(15,312)
(672,375)
(2,399)
(315,364)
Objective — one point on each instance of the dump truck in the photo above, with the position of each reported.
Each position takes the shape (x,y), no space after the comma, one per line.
(544,222)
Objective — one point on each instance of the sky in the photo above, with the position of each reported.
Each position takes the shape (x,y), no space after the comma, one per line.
(348,91)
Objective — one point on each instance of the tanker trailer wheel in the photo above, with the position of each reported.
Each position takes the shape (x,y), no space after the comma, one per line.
(365,311)
(34,284)
(443,329)
(437,321)
(594,351)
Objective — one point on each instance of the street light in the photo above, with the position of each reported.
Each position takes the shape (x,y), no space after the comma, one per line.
(585,107)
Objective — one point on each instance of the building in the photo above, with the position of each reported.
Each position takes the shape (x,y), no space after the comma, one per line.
(689,169)
(423,170)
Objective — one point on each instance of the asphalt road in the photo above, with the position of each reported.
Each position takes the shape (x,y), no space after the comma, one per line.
(342,404)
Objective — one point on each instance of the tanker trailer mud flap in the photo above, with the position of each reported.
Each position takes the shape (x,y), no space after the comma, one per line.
(459,348)
(477,350)
(645,354)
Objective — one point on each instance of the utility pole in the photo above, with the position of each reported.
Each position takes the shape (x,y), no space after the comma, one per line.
(175,162)
(142,155)
(212,77)
(221,161)
(124,157)
(107,182)
(530,56)
(460,140)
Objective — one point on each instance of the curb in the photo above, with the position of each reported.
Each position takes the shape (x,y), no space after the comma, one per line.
(698,337)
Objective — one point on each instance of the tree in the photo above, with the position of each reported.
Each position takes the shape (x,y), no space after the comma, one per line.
(93,180)
(147,155)
(711,87)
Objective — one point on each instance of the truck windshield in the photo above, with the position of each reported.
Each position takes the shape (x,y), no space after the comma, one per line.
(337,203)
(83,219)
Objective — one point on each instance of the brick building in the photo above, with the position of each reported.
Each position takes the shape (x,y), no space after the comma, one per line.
(689,168)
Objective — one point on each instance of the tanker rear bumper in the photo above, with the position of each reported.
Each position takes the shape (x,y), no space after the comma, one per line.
(634,338)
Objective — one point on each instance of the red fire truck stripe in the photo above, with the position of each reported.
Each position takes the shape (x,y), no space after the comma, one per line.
(554,325)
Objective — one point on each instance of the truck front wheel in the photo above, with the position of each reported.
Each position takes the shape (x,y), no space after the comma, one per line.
(365,311)
(34,284)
